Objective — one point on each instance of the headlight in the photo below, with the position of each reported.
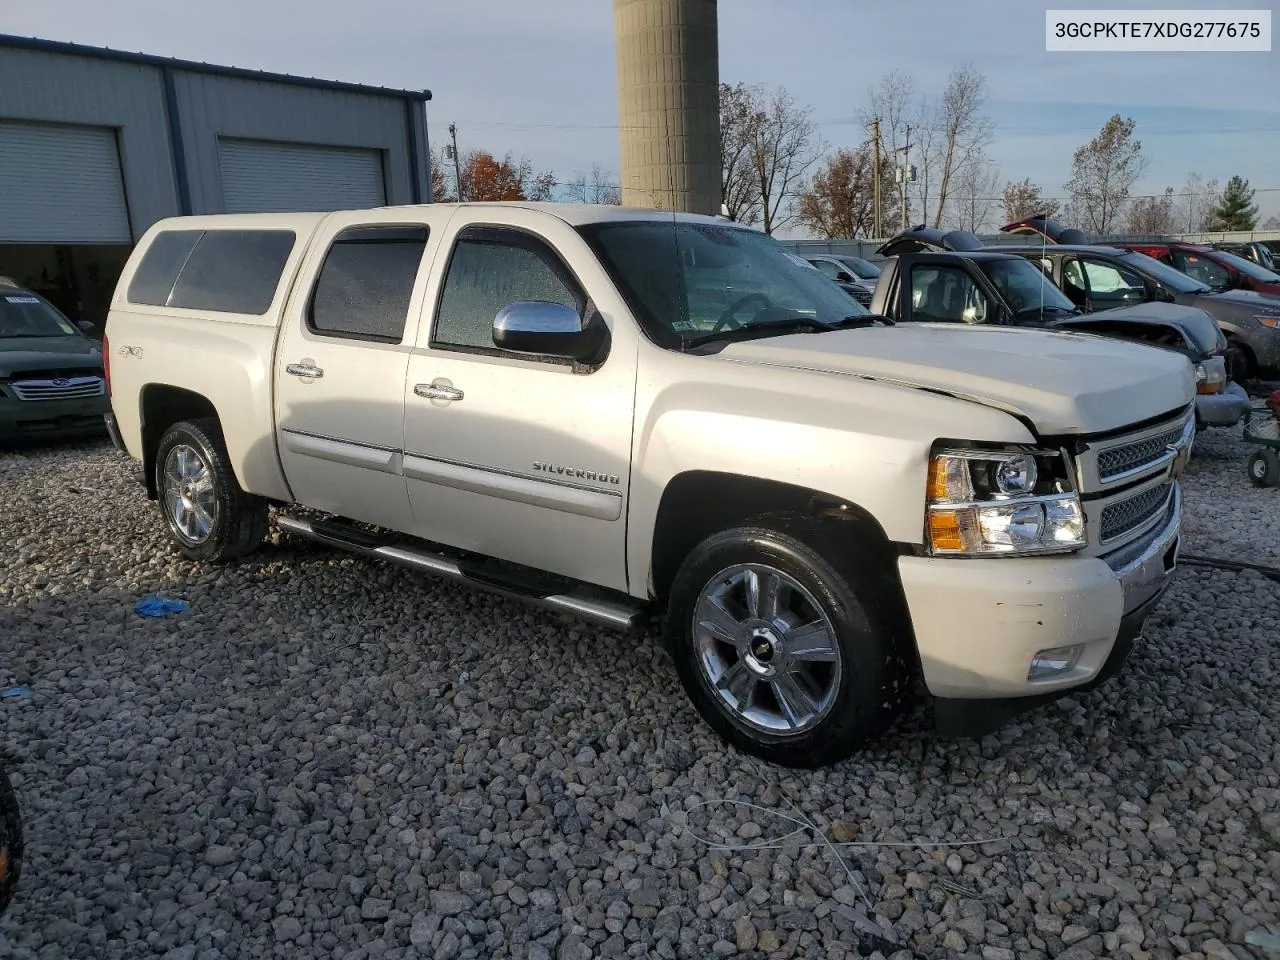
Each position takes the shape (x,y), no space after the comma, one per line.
(1269,321)
(1211,375)
(991,503)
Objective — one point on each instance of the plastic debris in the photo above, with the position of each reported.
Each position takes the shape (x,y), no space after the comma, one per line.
(159,606)
(15,693)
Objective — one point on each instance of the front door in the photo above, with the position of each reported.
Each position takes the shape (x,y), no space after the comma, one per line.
(518,457)
(341,364)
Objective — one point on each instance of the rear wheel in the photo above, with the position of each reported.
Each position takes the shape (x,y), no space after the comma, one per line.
(1264,468)
(209,516)
(788,655)
(1240,365)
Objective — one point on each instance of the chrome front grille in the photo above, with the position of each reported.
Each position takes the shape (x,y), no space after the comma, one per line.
(1130,457)
(59,388)
(1130,513)
(862,296)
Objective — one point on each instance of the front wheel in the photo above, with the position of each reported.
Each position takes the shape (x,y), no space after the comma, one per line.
(787,655)
(208,515)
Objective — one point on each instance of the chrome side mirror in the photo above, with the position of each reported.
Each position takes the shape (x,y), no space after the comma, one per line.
(550,330)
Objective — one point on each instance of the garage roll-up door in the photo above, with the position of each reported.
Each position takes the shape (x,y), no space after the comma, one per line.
(61,185)
(274,177)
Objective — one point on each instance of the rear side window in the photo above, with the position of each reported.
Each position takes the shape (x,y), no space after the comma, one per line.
(159,268)
(233,271)
(224,271)
(366,282)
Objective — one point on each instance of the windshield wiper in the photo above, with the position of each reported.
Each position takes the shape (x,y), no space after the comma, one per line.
(786,325)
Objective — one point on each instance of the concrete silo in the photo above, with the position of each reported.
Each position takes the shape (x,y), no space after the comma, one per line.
(669,103)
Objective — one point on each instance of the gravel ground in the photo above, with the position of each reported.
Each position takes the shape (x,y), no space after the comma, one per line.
(331,758)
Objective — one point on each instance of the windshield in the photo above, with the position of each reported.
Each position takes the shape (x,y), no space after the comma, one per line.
(864,269)
(1175,280)
(24,314)
(1248,267)
(686,280)
(1025,287)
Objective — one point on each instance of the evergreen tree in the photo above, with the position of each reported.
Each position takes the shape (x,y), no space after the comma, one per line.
(1236,210)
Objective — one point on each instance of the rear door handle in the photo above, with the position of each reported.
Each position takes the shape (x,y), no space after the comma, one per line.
(304,369)
(437,391)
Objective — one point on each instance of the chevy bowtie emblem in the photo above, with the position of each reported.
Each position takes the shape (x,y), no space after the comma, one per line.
(61,382)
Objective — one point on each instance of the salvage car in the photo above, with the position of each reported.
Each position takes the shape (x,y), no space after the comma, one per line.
(1218,270)
(855,275)
(52,383)
(634,417)
(1255,251)
(948,277)
(1249,320)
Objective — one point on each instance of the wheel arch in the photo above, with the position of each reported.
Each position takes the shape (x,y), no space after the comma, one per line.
(161,405)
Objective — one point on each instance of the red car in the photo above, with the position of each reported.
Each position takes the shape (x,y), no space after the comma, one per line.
(1216,269)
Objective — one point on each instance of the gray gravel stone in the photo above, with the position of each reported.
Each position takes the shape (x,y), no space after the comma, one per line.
(328,757)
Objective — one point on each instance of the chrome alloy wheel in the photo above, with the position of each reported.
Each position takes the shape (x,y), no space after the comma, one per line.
(189,497)
(767,648)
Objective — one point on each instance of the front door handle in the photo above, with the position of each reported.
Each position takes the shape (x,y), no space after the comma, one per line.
(304,369)
(437,391)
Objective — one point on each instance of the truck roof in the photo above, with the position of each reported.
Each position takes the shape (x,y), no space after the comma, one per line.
(574,214)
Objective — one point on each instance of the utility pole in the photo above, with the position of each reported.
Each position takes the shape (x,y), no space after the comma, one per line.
(875,179)
(457,164)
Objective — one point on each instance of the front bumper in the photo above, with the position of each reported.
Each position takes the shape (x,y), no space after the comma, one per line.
(978,623)
(38,419)
(1224,409)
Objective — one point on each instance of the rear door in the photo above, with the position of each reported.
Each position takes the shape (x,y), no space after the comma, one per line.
(340,366)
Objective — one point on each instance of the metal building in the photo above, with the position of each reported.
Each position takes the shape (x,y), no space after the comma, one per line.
(96,145)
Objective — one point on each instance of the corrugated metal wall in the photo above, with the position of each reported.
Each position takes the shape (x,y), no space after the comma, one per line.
(136,98)
(50,87)
(232,107)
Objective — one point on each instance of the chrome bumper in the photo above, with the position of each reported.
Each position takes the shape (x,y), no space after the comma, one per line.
(1145,567)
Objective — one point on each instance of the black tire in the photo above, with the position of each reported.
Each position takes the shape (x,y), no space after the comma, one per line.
(1264,468)
(871,677)
(10,841)
(1240,363)
(239,522)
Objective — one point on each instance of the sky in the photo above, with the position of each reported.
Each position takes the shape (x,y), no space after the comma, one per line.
(537,78)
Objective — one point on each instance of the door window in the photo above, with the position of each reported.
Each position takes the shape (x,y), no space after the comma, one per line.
(366,282)
(1199,268)
(1110,284)
(491,267)
(942,294)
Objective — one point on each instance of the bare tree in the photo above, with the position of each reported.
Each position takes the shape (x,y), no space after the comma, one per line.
(1023,199)
(893,101)
(974,199)
(739,117)
(596,188)
(1272,223)
(1195,207)
(960,131)
(1103,173)
(784,146)
(839,202)
(1153,215)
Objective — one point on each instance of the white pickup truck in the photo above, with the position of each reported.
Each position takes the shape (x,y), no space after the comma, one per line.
(636,417)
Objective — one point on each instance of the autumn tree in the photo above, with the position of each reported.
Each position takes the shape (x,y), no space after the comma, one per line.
(1153,215)
(1103,173)
(1195,206)
(959,132)
(1023,199)
(974,198)
(596,188)
(1236,210)
(839,202)
(768,144)
(739,117)
(486,178)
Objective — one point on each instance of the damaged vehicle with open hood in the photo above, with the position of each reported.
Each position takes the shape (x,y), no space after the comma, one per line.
(1098,277)
(942,276)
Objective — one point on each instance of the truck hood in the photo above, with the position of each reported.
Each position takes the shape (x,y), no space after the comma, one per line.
(18,354)
(1193,323)
(1063,383)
